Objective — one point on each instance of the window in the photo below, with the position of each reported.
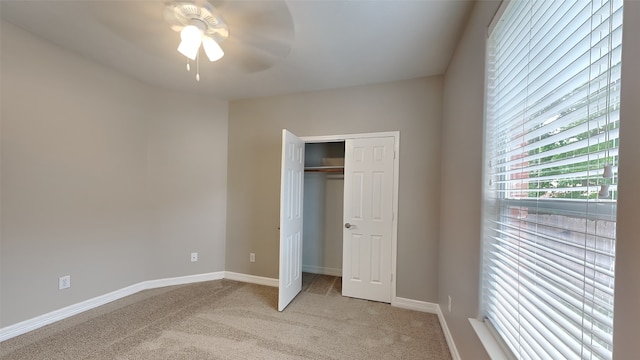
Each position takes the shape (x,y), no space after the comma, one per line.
(551,155)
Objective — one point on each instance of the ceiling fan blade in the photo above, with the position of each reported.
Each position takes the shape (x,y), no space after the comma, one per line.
(243,58)
(261,32)
(170,17)
(143,28)
(267,15)
(277,46)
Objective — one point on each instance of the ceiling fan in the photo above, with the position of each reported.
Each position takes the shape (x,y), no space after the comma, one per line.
(198,23)
(256,35)
(253,35)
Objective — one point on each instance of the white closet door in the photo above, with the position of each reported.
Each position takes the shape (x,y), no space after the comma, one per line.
(368,218)
(291,196)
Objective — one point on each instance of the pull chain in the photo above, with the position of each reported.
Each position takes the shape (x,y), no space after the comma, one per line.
(188,66)
(198,67)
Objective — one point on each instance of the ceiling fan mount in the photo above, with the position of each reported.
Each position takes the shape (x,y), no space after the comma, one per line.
(201,14)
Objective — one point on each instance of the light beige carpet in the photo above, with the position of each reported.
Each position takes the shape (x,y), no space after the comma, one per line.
(231,320)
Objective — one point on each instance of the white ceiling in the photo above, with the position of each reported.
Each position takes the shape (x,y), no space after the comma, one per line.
(312,44)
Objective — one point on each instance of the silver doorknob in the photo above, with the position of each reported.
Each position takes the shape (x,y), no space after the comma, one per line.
(347,225)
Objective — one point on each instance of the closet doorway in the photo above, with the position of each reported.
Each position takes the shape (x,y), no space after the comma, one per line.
(349,194)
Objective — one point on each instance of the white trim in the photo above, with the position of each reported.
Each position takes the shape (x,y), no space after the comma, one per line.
(321,270)
(396,192)
(416,305)
(488,340)
(251,279)
(22,327)
(60,314)
(455,355)
(394,218)
(497,16)
(432,308)
(343,137)
(182,280)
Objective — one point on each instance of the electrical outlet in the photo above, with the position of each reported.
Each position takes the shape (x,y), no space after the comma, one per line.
(252,257)
(450,303)
(194,257)
(64,282)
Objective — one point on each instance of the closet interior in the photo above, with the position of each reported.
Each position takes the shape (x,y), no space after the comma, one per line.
(323,208)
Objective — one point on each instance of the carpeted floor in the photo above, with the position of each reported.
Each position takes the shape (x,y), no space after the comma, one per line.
(232,320)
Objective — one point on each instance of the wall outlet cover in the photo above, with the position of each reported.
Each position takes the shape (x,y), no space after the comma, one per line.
(64,282)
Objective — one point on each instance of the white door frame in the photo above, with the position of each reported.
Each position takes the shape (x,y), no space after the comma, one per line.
(396,177)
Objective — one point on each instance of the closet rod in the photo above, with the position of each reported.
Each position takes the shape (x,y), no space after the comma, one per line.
(331,169)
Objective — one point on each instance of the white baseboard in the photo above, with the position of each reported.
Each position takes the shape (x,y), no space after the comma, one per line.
(321,270)
(60,314)
(433,309)
(416,305)
(447,335)
(252,279)
(182,280)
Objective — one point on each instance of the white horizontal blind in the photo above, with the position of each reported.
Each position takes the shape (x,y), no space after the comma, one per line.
(550,207)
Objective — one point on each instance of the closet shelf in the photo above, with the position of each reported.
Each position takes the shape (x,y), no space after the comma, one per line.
(332,169)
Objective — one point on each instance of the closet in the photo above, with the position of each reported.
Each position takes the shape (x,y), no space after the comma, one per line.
(323,208)
(346,189)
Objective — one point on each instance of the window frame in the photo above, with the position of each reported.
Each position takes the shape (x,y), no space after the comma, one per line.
(597,210)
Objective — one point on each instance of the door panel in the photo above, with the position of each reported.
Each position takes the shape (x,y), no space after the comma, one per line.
(376,259)
(357,204)
(291,206)
(377,200)
(368,217)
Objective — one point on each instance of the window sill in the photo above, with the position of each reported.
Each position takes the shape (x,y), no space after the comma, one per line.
(490,343)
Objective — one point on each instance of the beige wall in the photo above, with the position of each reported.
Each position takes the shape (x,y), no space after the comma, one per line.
(461,187)
(462,133)
(323,210)
(102,178)
(413,107)
(626,333)
(187,180)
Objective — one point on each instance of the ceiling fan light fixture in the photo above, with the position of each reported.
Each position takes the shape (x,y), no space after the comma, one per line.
(191,37)
(199,24)
(212,49)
